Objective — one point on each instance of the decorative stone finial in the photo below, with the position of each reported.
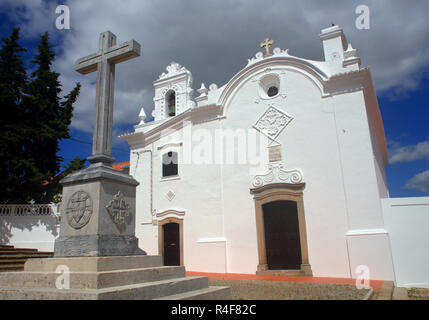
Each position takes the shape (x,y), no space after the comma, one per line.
(203,90)
(142,116)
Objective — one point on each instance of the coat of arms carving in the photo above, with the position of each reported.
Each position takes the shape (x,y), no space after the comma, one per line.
(79,209)
(119,211)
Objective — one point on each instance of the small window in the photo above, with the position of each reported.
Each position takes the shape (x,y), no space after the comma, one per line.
(272,91)
(169,164)
(269,86)
(171,102)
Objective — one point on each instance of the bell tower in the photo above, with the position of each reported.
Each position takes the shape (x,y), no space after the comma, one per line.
(173,92)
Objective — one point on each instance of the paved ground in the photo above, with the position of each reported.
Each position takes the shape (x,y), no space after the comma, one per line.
(418,294)
(272,290)
(268,287)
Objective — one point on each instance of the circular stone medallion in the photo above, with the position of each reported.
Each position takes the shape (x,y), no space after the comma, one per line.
(79,209)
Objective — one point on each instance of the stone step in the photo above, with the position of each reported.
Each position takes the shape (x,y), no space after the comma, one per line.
(18,249)
(143,275)
(11,267)
(45,294)
(153,290)
(92,280)
(24,256)
(22,251)
(94,264)
(6,246)
(12,261)
(210,293)
(139,291)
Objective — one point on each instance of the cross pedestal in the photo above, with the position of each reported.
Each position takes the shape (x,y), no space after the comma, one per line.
(97,214)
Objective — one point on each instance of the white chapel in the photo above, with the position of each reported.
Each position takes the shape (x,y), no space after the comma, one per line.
(280,170)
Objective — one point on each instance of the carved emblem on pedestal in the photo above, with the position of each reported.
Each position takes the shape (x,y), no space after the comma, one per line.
(119,211)
(79,209)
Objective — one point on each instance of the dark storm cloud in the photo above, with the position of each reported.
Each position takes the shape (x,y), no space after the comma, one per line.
(214,39)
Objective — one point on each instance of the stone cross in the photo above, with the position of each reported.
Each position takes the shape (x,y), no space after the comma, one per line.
(109,54)
(267,43)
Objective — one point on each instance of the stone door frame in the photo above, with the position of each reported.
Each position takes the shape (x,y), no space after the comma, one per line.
(161,235)
(276,192)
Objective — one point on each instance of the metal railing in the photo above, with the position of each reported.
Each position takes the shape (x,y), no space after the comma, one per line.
(27,210)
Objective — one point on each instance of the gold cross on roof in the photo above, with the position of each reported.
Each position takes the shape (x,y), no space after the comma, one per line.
(267,43)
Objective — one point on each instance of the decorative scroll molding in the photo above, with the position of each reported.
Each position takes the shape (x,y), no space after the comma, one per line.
(272,122)
(119,211)
(276,174)
(170,211)
(173,69)
(79,209)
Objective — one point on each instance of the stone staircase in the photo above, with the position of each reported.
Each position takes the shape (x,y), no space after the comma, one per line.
(107,278)
(13,259)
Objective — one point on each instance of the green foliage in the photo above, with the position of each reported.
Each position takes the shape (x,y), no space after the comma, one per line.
(33,120)
(76,164)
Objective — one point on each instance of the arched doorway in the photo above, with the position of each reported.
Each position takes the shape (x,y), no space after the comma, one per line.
(170,241)
(281,229)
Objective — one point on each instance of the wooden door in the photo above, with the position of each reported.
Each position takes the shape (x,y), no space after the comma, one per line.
(171,233)
(282,239)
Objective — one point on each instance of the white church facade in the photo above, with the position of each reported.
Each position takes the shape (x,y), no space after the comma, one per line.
(281,170)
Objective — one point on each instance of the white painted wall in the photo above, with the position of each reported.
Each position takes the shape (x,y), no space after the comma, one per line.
(407,221)
(37,232)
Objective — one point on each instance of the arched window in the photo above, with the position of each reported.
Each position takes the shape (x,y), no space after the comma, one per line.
(169,164)
(171,103)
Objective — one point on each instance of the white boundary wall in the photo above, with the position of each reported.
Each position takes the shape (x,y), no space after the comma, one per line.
(23,228)
(407,222)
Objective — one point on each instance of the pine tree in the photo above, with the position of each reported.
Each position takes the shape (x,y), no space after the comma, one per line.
(41,120)
(47,120)
(76,164)
(13,79)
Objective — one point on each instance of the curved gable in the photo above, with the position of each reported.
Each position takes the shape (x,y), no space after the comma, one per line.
(256,70)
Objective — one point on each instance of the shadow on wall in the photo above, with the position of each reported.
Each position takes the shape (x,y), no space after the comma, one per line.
(33,231)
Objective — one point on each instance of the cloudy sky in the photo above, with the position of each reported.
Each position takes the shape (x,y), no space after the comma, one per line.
(214,39)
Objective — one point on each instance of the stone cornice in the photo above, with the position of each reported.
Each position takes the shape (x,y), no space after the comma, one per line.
(174,123)
(298,187)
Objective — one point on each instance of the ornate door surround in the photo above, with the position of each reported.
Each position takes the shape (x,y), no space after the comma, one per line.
(275,192)
(161,235)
